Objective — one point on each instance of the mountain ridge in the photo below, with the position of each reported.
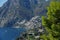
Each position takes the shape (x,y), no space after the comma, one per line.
(18,10)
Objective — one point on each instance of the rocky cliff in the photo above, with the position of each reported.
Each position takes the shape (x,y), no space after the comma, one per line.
(17,10)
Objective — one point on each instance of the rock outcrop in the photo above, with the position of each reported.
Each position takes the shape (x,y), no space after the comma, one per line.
(17,10)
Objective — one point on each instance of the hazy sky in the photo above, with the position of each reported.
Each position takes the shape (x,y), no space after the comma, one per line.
(2,1)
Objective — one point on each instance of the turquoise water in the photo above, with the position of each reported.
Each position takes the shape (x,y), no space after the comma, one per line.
(10,33)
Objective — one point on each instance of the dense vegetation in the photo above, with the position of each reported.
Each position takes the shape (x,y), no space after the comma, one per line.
(52,22)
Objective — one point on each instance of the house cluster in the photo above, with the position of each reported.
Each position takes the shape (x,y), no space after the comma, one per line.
(33,34)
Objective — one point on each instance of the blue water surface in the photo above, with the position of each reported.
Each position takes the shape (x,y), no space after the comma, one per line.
(10,33)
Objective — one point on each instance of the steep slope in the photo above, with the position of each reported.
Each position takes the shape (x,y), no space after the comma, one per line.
(18,10)
(14,10)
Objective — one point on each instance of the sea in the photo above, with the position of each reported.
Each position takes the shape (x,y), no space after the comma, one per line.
(10,33)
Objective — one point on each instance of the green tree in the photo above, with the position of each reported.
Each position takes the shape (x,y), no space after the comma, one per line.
(52,22)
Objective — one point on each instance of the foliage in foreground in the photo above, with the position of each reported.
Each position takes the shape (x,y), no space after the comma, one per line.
(52,22)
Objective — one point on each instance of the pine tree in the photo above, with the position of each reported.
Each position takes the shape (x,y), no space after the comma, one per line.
(52,22)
